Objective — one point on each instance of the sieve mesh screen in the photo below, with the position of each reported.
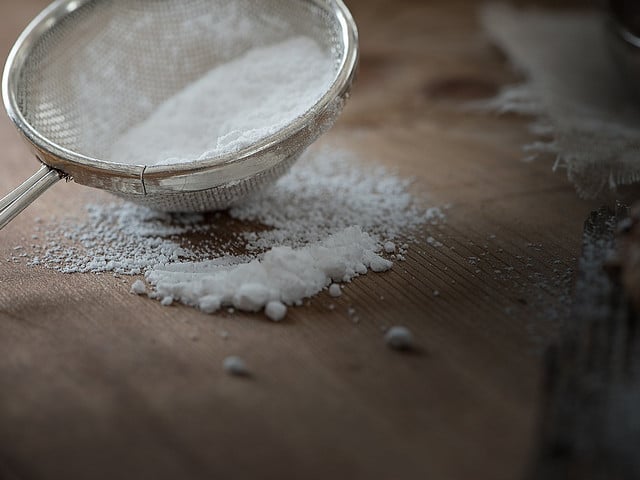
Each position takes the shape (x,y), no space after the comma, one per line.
(108,64)
(86,71)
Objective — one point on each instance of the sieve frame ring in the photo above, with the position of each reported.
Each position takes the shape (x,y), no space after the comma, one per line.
(204,174)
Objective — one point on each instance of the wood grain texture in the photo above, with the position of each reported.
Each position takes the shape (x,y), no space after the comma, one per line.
(98,384)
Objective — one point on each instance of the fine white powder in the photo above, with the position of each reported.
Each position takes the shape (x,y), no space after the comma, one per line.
(324,222)
(234,105)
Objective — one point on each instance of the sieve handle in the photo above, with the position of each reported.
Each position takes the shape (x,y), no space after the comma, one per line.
(25,194)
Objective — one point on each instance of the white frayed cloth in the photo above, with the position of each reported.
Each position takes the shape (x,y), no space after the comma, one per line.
(585,112)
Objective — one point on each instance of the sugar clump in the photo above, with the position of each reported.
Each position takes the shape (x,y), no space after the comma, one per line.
(235,366)
(276,311)
(335,290)
(399,338)
(139,287)
(209,304)
(167,301)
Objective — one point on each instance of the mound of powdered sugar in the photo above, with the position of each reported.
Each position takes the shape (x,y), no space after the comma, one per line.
(234,105)
(282,274)
(325,221)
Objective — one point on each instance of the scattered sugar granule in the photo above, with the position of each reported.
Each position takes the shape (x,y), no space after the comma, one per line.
(276,311)
(235,366)
(434,215)
(139,287)
(234,105)
(434,243)
(390,247)
(399,338)
(335,290)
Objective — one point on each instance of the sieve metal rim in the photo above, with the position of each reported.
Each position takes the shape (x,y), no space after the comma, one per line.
(166,179)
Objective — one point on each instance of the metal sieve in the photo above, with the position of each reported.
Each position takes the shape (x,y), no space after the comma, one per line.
(85,71)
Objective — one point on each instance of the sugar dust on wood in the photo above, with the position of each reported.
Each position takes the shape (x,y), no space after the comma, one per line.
(327,221)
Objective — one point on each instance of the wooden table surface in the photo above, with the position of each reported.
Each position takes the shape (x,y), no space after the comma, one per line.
(98,384)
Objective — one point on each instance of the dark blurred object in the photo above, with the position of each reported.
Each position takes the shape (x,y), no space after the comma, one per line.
(623,25)
(626,13)
(590,427)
